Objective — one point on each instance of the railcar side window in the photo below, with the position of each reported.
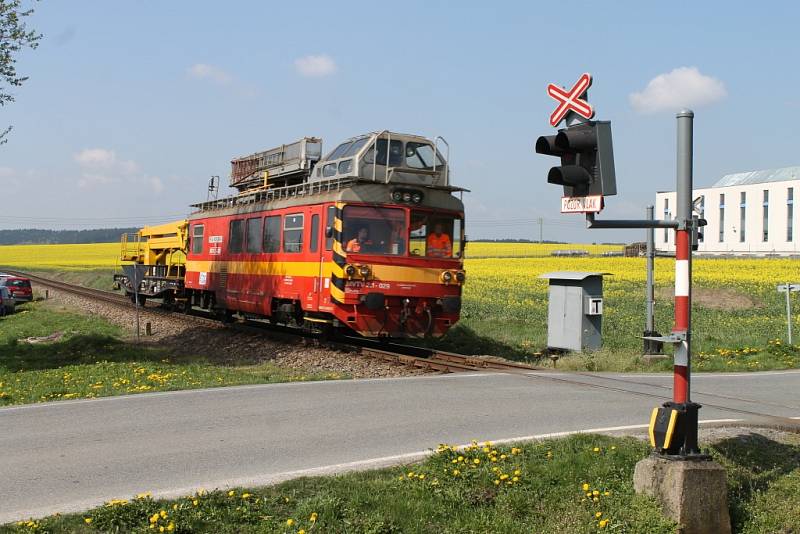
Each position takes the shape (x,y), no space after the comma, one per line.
(345,166)
(236,238)
(314,233)
(355,147)
(254,235)
(197,239)
(329,220)
(329,170)
(293,233)
(272,233)
(339,151)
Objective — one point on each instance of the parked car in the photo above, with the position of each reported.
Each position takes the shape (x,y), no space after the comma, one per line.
(7,303)
(19,287)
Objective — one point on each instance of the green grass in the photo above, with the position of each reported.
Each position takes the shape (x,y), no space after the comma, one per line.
(92,359)
(747,339)
(445,495)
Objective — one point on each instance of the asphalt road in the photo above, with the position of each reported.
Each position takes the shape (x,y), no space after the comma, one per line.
(72,455)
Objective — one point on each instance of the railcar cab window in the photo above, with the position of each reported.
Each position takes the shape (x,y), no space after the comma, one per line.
(395,153)
(197,239)
(272,233)
(293,233)
(435,235)
(378,231)
(236,238)
(421,156)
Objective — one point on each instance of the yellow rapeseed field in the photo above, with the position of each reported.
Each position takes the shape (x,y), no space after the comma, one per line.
(67,257)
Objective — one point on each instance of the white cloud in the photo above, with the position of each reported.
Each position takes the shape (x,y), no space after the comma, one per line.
(95,157)
(203,71)
(155,183)
(101,166)
(315,66)
(682,87)
(6,172)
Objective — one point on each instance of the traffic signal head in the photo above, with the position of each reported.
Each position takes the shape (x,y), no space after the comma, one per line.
(587,159)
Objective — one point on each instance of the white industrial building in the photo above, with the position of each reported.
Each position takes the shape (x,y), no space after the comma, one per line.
(748,213)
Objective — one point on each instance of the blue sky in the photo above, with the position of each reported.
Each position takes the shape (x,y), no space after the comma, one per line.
(131,106)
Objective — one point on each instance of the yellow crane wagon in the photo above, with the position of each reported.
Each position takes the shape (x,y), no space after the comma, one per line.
(162,249)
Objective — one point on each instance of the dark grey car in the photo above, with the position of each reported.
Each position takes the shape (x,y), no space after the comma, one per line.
(7,303)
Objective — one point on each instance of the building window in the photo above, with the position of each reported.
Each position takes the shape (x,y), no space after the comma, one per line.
(722,218)
(790,215)
(765,220)
(702,215)
(666,218)
(742,216)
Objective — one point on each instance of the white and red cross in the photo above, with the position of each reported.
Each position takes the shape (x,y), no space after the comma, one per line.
(571,100)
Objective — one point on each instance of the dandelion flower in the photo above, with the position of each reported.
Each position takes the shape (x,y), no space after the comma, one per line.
(476,461)
(154,518)
(289,522)
(596,449)
(313,517)
(163,514)
(194,502)
(231,493)
(595,493)
(598,515)
(603,523)
(87,520)
(301,531)
(585,486)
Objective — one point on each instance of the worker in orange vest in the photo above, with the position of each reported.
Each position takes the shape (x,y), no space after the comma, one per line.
(438,243)
(356,244)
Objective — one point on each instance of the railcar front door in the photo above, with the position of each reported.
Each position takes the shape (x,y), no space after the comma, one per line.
(326,261)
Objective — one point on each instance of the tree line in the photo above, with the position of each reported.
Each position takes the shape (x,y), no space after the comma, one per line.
(32,236)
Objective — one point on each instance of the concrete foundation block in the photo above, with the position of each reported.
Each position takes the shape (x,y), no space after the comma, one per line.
(691,492)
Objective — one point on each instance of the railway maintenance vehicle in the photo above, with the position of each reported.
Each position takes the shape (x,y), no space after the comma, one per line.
(368,238)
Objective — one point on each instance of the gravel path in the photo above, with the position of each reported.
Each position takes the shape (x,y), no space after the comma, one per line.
(222,345)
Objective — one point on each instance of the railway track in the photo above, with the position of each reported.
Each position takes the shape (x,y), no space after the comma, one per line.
(429,359)
(398,353)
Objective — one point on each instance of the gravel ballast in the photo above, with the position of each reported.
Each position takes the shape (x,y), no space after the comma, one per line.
(222,345)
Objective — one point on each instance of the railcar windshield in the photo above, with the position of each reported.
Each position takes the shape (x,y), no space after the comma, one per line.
(436,235)
(368,230)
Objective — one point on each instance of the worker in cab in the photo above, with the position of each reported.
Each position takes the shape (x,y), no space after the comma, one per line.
(358,243)
(438,243)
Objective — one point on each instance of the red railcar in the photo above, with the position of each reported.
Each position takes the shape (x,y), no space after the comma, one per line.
(371,239)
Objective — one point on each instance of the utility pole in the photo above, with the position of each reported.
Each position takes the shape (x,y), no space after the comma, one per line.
(541,232)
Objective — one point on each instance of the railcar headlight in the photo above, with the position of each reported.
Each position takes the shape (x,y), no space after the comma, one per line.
(397,196)
(350,271)
(364,271)
(460,277)
(416,198)
(406,197)
(447,277)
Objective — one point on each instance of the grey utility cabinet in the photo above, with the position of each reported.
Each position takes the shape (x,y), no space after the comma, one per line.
(575,310)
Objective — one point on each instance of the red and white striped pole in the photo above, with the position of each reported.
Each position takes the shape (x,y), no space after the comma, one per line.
(683,312)
(683,258)
(681,394)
